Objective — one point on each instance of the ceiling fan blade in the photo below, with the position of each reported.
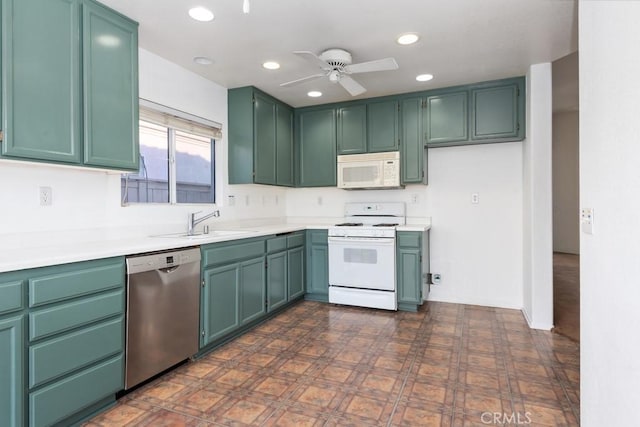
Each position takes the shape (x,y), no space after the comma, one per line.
(312,57)
(352,86)
(302,80)
(385,64)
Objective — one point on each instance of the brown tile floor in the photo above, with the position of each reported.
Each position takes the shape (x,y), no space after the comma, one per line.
(322,365)
(566,295)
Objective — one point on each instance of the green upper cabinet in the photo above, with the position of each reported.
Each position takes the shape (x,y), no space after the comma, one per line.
(316,139)
(284,146)
(264,125)
(412,151)
(57,108)
(40,78)
(110,88)
(495,111)
(260,138)
(446,118)
(382,126)
(352,129)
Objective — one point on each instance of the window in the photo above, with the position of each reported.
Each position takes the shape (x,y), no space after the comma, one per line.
(177,159)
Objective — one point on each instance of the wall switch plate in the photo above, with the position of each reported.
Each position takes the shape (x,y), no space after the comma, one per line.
(232,200)
(46,196)
(586,220)
(475,198)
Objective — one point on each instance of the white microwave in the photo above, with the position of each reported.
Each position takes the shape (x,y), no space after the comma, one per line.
(373,170)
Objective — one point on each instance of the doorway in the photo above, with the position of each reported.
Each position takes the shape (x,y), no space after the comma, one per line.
(566,190)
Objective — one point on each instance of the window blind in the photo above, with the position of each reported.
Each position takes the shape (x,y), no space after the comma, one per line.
(167,116)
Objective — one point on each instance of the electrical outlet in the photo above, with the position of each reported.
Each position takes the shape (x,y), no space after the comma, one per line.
(436,278)
(319,200)
(46,196)
(414,198)
(475,198)
(232,200)
(246,200)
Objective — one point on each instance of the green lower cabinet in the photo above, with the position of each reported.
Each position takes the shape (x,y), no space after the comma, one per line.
(252,290)
(317,266)
(295,273)
(276,280)
(409,257)
(220,302)
(11,372)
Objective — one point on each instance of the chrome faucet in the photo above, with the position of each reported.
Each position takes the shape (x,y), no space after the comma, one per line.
(193,221)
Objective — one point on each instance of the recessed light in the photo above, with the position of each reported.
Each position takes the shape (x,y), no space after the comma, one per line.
(408,38)
(202,60)
(201,14)
(424,77)
(271,65)
(314,94)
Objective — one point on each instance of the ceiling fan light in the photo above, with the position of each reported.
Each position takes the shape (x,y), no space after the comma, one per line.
(334,76)
(314,94)
(271,65)
(424,77)
(408,38)
(201,14)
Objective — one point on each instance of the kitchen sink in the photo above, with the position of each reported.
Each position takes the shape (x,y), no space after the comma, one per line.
(199,236)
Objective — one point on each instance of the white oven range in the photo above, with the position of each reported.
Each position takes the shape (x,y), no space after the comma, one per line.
(362,255)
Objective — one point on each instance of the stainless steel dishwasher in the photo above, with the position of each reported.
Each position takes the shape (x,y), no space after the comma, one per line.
(163,307)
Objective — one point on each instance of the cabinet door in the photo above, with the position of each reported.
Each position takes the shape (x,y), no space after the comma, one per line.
(447,117)
(252,290)
(284,146)
(382,126)
(317,148)
(412,150)
(276,280)
(220,302)
(409,266)
(41,75)
(495,112)
(317,265)
(110,83)
(295,277)
(352,129)
(264,123)
(11,375)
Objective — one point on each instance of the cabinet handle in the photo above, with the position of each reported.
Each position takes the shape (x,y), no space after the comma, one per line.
(1,135)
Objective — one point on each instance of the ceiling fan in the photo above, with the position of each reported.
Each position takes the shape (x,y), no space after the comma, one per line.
(336,64)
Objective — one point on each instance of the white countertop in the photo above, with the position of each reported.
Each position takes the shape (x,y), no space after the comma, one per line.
(21,251)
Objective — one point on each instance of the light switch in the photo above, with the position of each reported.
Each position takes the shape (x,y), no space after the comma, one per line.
(586,220)
(475,198)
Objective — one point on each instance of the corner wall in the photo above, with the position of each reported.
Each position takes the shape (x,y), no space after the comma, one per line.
(537,202)
(610,184)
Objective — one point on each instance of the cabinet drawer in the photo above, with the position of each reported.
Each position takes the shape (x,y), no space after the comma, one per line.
(277,244)
(318,237)
(229,253)
(10,296)
(94,277)
(63,398)
(69,352)
(409,239)
(295,240)
(77,313)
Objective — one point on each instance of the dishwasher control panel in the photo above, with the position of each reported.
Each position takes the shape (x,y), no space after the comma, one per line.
(139,263)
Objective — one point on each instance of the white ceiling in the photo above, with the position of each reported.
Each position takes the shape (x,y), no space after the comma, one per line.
(462,41)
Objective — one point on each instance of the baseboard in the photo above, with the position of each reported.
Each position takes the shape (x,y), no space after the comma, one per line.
(534,325)
(474,301)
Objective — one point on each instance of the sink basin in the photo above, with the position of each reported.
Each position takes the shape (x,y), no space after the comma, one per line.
(199,236)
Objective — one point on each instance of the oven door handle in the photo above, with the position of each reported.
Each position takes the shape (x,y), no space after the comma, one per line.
(383,240)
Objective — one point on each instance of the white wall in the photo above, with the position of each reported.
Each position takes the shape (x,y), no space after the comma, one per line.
(88,198)
(610,184)
(566,222)
(537,201)
(476,248)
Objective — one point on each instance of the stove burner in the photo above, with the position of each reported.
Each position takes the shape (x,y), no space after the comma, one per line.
(349,224)
(385,225)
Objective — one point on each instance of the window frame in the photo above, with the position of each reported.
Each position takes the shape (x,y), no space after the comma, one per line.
(167,117)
